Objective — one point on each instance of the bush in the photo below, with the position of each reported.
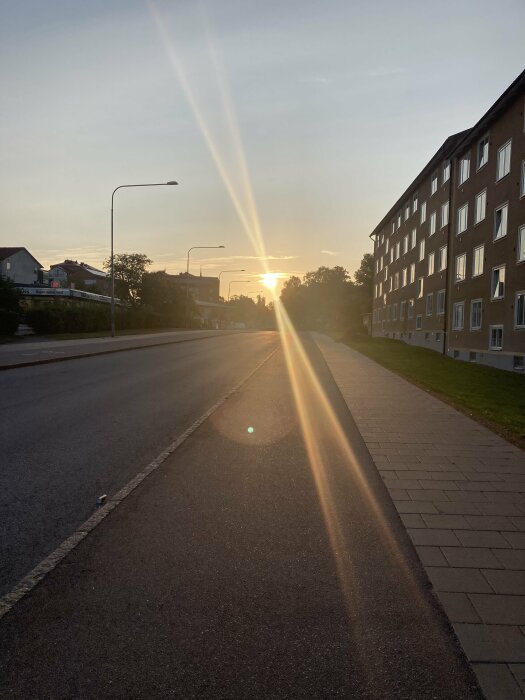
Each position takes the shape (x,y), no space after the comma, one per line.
(9,307)
(8,322)
(87,317)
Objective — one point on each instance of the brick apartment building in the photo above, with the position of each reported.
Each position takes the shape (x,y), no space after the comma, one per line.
(449,256)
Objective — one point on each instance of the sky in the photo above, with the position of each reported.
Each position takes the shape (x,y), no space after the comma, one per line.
(291,126)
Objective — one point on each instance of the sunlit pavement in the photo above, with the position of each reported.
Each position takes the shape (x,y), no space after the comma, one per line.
(250,564)
(460,492)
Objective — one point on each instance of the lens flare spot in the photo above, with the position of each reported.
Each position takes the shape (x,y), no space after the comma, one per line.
(250,430)
(270,279)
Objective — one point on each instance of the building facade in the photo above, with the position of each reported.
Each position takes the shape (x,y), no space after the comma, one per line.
(72,274)
(449,256)
(19,266)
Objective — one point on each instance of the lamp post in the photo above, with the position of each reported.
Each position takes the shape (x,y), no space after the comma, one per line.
(220,273)
(233,282)
(195,247)
(148,184)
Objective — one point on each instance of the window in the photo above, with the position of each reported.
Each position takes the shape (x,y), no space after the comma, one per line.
(446,171)
(410,308)
(414,203)
(458,317)
(503,163)
(477,260)
(430,304)
(432,224)
(419,322)
(386,271)
(405,244)
(423,212)
(520,310)
(433,183)
(521,244)
(396,280)
(402,308)
(442,264)
(404,277)
(464,169)
(480,207)
(518,362)
(420,288)
(431,262)
(394,312)
(444,214)
(412,276)
(413,239)
(421,250)
(407,211)
(377,266)
(522,181)
(393,226)
(387,246)
(483,152)
(500,221)
(462,219)
(440,302)
(496,338)
(397,250)
(461,264)
(476,306)
(390,284)
(398,220)
(392,254)
(497,289)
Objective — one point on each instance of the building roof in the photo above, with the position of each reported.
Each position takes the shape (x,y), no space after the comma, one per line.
(74,267)
(515,89)
(194,279)
(445,151)
(9,251)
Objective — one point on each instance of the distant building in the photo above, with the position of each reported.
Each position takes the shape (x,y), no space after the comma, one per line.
(20,267)
(73,275)
(449,256)
(201,288)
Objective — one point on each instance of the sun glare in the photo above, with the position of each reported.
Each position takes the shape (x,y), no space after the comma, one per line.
(269,279)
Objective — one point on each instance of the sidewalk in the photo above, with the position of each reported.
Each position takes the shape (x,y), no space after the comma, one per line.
(460,492)
(43,352)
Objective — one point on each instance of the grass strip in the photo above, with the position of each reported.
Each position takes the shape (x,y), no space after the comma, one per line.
(491,396)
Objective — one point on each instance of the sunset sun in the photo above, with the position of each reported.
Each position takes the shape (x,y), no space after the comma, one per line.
(270,279)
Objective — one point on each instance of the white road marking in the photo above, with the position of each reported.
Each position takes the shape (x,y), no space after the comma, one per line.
(25,585)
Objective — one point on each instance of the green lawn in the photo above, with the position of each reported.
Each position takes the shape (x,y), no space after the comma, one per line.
(493,397)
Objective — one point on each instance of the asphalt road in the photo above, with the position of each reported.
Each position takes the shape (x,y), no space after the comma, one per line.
(236,570)
(74,430)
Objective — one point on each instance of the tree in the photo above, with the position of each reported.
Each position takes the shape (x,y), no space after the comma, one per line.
(9,307)
(364,277)
(129,270)
(160,292)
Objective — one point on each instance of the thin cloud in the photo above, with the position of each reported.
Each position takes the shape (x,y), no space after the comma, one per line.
(330,252)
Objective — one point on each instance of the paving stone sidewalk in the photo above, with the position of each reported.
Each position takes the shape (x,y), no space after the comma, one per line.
(460,491)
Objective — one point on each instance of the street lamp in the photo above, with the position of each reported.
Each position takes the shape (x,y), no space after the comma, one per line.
(195,247)
(149,184)
(233,282)
(220,273)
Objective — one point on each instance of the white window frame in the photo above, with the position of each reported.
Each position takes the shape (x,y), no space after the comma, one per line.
(445,207)
(458,318)
(432,224)
(405,244)
(420,287)
(480,206)
(482,140)
(412,273)
(407,211)
(440,302)
(522,179)
(396,280)
(520,245)
(423,213)
(480,257)
(442,258)
(410,309)
(414,203)
(431,264)
(493,287)
(446,171)
(413,239)
(421,250)
(516,324)
(462,220)
(464,169)
(460,264)
(504,219)
(429,298)
(404,277)
(497,327)
(472,326)
(434,183)
(503,160)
